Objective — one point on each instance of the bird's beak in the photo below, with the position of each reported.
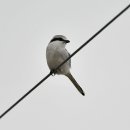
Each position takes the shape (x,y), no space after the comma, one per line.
(67,41)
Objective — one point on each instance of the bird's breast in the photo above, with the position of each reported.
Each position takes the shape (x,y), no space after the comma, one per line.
(55,56)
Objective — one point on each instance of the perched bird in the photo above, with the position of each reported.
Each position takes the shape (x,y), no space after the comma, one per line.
(56,53)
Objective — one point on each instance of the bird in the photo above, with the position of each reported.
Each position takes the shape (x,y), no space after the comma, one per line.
(56,53)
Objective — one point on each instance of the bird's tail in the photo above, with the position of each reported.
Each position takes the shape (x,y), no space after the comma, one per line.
(75,83)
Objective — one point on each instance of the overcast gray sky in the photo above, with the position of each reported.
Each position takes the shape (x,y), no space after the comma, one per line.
(102,68)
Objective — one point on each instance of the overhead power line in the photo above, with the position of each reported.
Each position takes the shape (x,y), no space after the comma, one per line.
(48,75)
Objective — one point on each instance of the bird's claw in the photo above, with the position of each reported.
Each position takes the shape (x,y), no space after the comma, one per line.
(53,72)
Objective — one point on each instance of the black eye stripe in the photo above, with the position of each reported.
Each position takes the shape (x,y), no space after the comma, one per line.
(57,39)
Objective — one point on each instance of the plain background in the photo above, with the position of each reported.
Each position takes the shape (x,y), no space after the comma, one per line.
(102,68)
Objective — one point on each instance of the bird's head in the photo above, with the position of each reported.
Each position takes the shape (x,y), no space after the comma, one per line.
(60,38)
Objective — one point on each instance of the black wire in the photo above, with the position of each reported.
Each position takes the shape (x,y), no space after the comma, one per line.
(91,38)
(25,95)
(47,76)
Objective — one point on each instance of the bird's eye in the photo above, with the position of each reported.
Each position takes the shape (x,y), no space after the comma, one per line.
(60,39)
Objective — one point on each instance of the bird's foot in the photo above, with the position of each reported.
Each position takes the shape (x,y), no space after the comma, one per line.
(53,72)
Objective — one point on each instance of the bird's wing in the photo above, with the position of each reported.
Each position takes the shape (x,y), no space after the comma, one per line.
(69,59)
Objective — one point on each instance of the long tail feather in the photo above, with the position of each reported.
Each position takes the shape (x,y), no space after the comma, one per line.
(69,75)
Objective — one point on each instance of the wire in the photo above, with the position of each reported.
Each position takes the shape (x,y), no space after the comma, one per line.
(53,71)
(25,95)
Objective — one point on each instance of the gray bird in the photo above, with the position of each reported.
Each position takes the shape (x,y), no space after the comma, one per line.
(56,53)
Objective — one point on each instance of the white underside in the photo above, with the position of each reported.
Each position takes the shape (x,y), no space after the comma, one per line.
(56,54)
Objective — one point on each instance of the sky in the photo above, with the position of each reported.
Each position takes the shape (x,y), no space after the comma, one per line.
(102,68)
